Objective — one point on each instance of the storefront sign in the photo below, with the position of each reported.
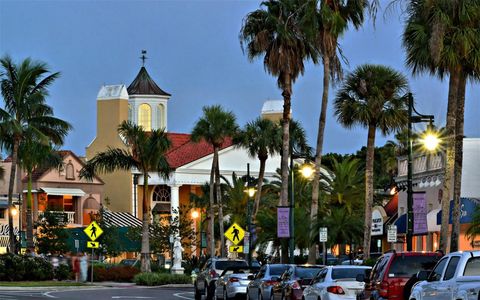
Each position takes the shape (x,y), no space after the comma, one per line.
(377,223)
(283,222)
(420,213)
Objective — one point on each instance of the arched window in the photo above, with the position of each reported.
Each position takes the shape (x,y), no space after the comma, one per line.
(161,116)
(161,193)
(130,113)
(145,116)
(70,171)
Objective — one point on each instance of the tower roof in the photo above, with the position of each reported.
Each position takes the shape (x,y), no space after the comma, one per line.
(144,85)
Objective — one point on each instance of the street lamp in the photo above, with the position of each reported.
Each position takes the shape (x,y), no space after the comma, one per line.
(251,193)
(431,142)
(14,211)
(195,216)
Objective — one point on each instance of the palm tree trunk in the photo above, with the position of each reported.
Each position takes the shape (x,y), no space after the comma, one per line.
(287,93)
(219,202)
(449,159)
(312,250)
(11,184)
(258,195)
(368,191)
(30,245)
(211,211)
(457,177)
(145,255)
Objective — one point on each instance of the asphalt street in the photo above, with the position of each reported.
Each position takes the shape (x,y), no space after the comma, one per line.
(129,293)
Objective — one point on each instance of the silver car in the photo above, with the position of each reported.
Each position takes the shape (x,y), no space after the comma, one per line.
(233,282)
(261,285)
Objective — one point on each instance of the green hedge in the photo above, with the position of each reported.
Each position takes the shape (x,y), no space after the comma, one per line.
(19,268)
(151,279)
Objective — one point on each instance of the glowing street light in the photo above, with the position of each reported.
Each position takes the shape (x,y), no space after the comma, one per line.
(430,140)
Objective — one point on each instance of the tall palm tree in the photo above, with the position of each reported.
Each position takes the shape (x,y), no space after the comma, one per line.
(442,38)
(347,184)
(24,90)
(278,32)
(259,138)
(215,126)
(33,155)
(372,96)
(334,17)
(146,152)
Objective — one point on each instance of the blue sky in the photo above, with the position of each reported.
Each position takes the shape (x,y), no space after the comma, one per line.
(194,54)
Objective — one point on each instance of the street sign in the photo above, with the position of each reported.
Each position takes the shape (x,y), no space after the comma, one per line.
(323,234)
(93,231)
(236,249)
(235,233)
(392,234)
(77,244)
(246,243)
(93,245)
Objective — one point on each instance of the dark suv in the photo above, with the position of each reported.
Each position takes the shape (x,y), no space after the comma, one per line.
(206,279)
(393,269)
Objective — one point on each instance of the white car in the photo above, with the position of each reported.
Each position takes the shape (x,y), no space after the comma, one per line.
(337,282)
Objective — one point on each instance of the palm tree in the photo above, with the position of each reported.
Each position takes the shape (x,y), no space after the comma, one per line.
(24,90)
(474,229)
(372,97)
(442,38)
(347,184)
(215,127)
(278,33)
(334,18)
(32,155)
(259,138)
(146,152)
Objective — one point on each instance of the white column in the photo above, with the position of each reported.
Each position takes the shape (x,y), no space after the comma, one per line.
(177,245)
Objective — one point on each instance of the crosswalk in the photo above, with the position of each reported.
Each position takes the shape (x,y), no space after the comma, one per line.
(14,295)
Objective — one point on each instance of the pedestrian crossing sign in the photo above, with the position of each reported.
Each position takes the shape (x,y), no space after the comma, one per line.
(93,231)
(235,234)
(93,245)
(236,249)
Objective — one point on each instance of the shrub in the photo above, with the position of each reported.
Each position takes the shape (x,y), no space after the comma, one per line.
(151,279)
(63,272)
(18,268)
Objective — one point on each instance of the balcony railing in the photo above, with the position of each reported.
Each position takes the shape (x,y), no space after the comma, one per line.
(421,164)
(66,217)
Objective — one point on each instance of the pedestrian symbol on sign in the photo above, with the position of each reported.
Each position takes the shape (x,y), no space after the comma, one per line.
(235,232)
(93,231)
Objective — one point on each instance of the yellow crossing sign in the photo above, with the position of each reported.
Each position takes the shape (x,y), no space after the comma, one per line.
(235,233)
(237,249)
(94,245)
(93,231)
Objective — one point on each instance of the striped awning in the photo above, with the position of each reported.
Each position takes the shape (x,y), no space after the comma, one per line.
(120,219)
(62,191)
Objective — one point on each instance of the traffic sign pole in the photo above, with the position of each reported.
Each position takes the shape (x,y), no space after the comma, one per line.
(323,237)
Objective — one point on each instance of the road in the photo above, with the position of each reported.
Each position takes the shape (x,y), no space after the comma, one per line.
(130,293)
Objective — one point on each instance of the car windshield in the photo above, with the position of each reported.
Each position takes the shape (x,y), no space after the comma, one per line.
(239,271)
(306,272)
(347,273)
(278,270)
(223,264)
(408,265)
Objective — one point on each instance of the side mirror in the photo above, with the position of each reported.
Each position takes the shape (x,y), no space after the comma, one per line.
(251,277)
(423,275)
(360,278)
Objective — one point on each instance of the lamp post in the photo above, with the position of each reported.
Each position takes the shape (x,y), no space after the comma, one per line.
(195,216)
(251,193)
(14,211)
(431,142)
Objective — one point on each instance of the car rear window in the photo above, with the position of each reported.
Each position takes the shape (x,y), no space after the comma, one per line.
(278,270)
(223,264)
(473,267)
(408,265)
(306,272)
(347,273)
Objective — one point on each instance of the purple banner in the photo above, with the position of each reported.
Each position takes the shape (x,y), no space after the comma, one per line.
(420,213)
(283,222)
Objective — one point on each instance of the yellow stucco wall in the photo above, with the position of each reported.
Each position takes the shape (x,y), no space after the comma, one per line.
(110,113)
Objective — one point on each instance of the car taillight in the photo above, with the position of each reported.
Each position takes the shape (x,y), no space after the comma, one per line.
(296,286)
(233,279)
(270,282)
(335,290)
(383,289)
(213,273)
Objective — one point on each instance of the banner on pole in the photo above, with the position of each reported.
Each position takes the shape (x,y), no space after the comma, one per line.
(420,213)
(283,222)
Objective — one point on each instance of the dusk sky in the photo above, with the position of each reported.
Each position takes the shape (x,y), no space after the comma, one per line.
(194,54)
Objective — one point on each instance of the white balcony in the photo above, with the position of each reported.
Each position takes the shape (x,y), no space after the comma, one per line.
(66,217)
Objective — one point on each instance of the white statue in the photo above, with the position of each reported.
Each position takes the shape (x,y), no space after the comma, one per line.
(177,253)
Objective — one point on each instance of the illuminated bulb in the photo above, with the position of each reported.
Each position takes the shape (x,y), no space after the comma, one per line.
(194,214)
(431,141)
(307,171)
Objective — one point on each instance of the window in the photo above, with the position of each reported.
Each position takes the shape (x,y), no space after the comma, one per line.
(145,117)
(130,113)
(347,273)
(161,116)
(161,193)
(277,270)
(437,272)
(451,268)
(473,267)
(406,266)
(2,213)
(70,171)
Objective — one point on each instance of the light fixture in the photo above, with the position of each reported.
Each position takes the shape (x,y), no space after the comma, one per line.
(194,214)
(307,170)
(13,211)
(430,139)
(250,191)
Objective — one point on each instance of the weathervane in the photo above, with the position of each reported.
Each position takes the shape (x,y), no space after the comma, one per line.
(143,57)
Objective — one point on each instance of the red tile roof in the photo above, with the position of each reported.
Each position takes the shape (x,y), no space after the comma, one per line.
(184,151)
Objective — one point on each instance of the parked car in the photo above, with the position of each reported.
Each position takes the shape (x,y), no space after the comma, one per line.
(131,262)
(336,282)
(260,286)
(205,282)
(293,281)
(393,269)
(233,282)
(456,276)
